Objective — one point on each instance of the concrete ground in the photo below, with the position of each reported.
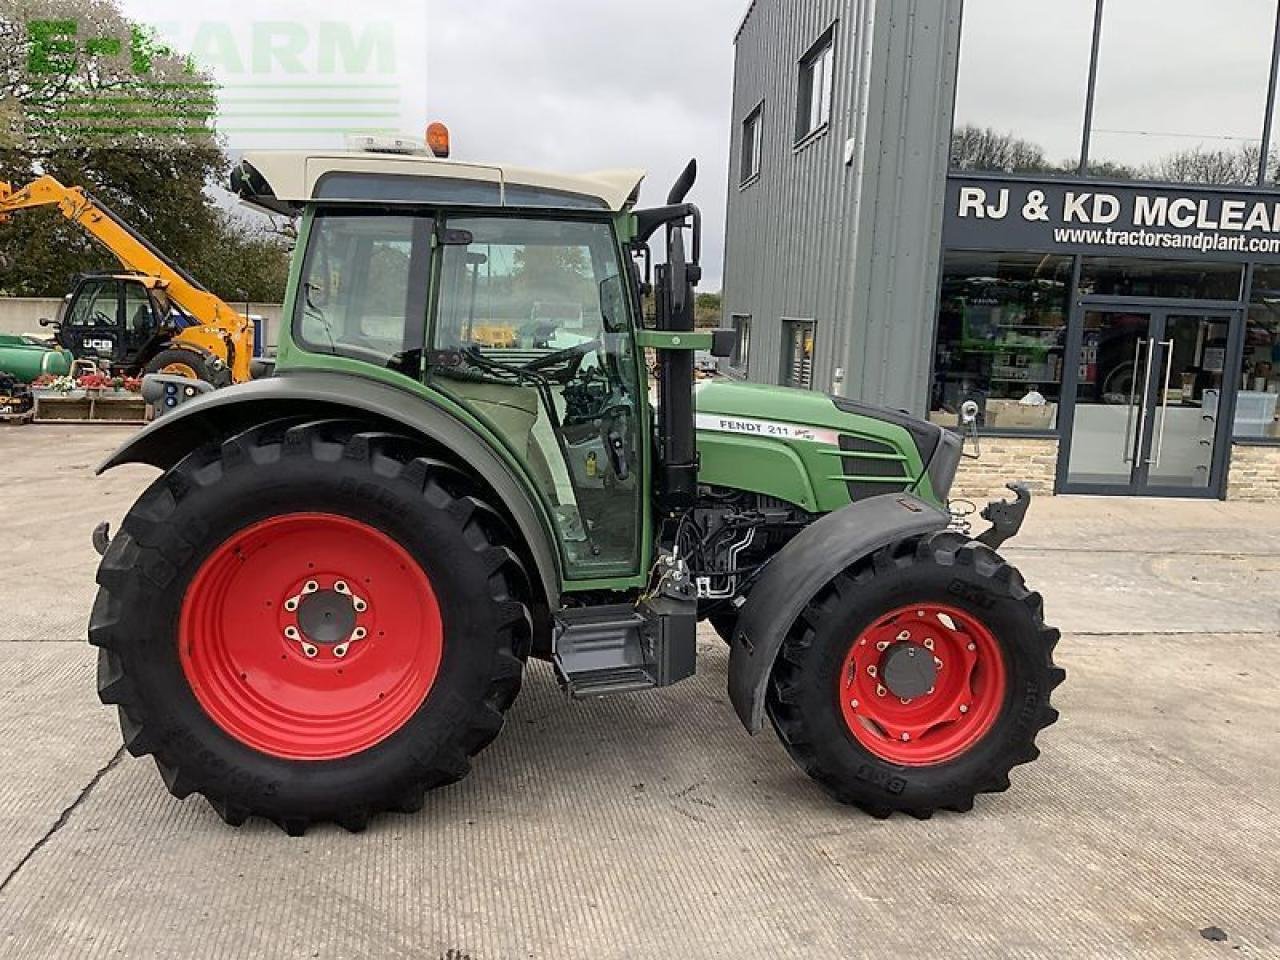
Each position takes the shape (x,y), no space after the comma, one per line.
(652,825)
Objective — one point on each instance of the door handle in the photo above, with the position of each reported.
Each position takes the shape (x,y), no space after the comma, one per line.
(1133,400)
(1133,395)
(1164,398)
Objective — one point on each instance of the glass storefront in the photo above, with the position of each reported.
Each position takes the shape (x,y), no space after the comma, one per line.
(1256,403)
(1001,333)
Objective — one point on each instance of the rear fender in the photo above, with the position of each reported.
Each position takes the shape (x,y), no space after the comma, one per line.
(801,569)
(223,413)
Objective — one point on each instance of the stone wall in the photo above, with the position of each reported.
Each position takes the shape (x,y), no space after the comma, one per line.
(1005,459)
(1254,474)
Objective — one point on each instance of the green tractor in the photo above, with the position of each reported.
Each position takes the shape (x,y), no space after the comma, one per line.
(323,606)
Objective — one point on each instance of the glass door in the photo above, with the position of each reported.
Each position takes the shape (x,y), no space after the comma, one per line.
(1149,388)
(1110,401)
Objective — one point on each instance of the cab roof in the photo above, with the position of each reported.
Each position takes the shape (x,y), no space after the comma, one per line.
(284,181)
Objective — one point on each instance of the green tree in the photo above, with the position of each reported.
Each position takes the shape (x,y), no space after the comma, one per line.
(93,99)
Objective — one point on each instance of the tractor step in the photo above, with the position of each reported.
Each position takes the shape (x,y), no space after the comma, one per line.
(622,648)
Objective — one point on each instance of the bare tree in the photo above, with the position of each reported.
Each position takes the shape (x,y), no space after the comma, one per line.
(1202,165)
(984,148)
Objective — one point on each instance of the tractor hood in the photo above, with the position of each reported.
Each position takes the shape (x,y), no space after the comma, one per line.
(817,451)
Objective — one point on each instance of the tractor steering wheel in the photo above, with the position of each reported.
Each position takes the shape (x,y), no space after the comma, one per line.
(578,352)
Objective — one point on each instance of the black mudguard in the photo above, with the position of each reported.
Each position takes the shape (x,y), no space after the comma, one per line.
(223,413)
(796,574)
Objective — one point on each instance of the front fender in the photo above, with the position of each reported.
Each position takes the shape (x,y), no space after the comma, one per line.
(222,413)
(802,568)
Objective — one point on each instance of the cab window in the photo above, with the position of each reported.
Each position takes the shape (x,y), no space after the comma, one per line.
(363,290)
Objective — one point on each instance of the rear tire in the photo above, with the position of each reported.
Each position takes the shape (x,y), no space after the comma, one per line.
(181,362)
(841,724)
(293,757)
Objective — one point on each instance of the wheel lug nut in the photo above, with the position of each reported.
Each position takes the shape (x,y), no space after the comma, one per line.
(310,587)
(853,704)
(309,650)
(882,645)
(360,605)
(904,700)
(360,633)
(971,647)
(340,586)
(937,663)
(291,604)
(964,708)
(340,651)
(928,644)
(906,736)
(871,670)
(880,691)
(904,636)
(291,633)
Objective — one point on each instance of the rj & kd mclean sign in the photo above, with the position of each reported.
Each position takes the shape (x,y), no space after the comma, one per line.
(1106,220)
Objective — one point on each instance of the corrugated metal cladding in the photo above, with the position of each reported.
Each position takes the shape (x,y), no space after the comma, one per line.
(844,228)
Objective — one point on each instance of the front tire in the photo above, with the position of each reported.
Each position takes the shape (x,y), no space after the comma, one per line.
(311,622)
(956,629)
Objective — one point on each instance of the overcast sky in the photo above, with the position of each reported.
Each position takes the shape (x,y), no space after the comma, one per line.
(568,85)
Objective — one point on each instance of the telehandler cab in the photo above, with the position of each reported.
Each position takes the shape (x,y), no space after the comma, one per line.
(323,606)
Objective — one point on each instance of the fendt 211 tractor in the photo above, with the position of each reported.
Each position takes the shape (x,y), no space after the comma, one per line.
(323,606)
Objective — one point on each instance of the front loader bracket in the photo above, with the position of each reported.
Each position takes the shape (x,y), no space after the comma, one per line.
(1005,516)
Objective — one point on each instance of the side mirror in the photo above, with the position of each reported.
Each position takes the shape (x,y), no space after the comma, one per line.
(45,322)
(723,342)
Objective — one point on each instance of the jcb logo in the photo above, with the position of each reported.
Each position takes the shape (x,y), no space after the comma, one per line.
(92,343)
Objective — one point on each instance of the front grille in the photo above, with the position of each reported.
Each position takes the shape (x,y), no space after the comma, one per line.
(873,467)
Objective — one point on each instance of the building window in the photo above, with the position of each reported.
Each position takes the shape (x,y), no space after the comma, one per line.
(813,112)
(1164,279)
(1002,326)
(797,354)
(751,145)
(742,347)
(1155,119)
(1020,93)
(1256,405)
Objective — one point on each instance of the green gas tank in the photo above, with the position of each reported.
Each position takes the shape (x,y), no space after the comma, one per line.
(28,357)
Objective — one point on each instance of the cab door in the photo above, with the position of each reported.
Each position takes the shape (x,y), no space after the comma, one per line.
(533,332)
(93,328)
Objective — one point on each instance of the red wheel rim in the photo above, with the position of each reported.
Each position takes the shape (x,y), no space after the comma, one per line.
(967,692)
(310,636)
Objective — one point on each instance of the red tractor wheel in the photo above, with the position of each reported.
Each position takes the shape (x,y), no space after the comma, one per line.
(918,679)
(309,622)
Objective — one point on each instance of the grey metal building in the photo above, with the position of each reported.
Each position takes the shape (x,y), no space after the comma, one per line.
(842,114)
(1066,211)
